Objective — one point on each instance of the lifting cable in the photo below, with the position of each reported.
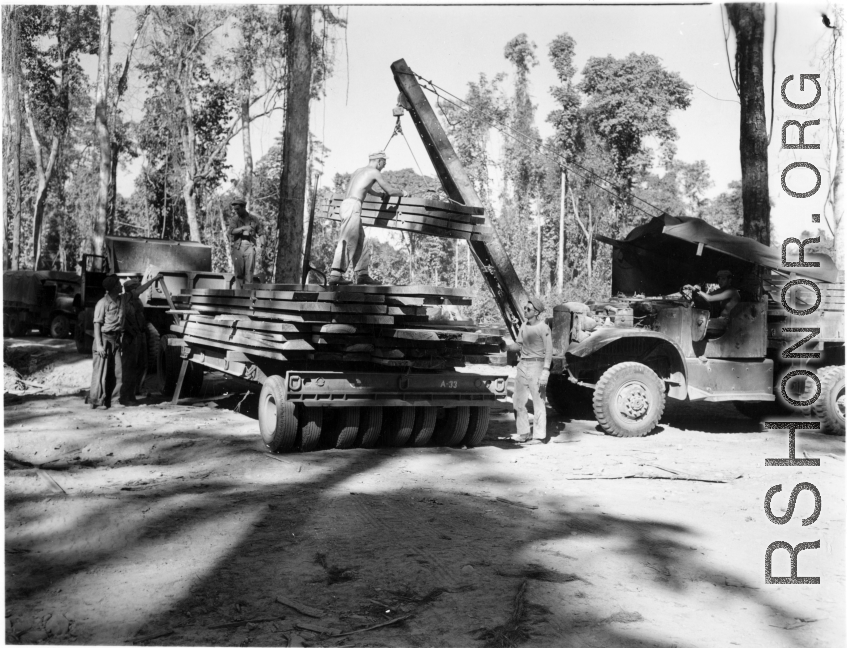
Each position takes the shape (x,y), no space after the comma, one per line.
(586,173)
(398,130)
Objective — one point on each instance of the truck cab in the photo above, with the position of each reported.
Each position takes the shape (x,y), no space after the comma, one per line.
(653,339)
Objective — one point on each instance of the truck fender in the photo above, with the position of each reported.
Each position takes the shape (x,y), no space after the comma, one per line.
(677,381)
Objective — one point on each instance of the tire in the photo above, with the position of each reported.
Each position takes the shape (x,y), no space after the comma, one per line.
(277,418)
(629,400)
(829,408)
(454,426)
(477,426)
(370,427)
(397,426)
(60,326)
(14,324)
(565,397)
(310,426)
(347,427)
(425,418)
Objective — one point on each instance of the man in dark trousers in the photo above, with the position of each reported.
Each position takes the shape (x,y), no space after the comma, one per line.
(115,351)
(247,237)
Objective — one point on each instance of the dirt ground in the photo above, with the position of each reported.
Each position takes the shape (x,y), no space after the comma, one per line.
(161,525)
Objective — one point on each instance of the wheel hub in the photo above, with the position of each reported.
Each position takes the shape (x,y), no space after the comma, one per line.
(839,404)
(633,401)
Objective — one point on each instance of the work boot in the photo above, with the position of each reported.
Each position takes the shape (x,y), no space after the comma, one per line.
(366,280)
(338,281)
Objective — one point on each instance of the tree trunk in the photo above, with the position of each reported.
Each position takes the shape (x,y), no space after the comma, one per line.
(101,126)
(292,186)
(560,257)
(225,237)
(537,249)
(112,202)
(12,131)
(248,151)
(748,20)
(838,194)
(189,195)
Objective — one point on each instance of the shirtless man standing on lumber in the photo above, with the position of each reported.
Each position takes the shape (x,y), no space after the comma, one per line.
(352,248)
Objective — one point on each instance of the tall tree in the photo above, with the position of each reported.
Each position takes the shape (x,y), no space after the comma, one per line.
(52,38)
(12,131)
(101,126)
(748,21)
(298,20)
(567,139)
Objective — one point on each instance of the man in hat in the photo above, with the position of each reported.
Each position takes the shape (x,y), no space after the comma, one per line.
(352,248)
(247,237)
(726,296)
(115,350)
(535,344)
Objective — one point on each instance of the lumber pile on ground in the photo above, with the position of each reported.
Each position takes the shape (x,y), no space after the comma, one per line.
(395,326)
(420,216)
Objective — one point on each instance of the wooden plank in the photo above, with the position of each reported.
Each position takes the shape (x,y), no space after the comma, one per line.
(438,217)
(418,203)
(415,290)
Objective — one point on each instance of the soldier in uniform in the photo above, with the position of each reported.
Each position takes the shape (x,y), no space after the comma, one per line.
(141,325)
(247,237)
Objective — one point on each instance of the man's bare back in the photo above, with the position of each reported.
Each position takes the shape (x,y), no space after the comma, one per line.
(364,179)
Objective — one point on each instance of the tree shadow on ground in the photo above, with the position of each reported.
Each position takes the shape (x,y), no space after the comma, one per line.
(323,530)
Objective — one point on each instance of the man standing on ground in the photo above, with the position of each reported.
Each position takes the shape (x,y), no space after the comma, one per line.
(140,369)
(247,238)
(535,344)
(352,248)
(115,351)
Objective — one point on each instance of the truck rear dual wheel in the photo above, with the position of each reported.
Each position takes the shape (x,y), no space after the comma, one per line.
(829,407)
(398,425)
(629,400)
(453,427)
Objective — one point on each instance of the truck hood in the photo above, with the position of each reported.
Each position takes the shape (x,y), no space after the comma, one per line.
(603,336)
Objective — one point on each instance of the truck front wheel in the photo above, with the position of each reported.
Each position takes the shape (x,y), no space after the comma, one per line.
(829,408)
(629,400)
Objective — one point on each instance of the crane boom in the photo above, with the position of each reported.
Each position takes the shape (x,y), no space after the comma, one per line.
(491,256)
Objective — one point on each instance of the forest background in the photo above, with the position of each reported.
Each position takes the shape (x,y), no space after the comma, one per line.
(194,81)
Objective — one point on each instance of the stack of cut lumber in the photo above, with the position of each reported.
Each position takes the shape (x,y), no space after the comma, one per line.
(420,216)
(396,326)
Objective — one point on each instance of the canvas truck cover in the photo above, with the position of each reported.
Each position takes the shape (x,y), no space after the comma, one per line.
(21,287)
(669,254)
